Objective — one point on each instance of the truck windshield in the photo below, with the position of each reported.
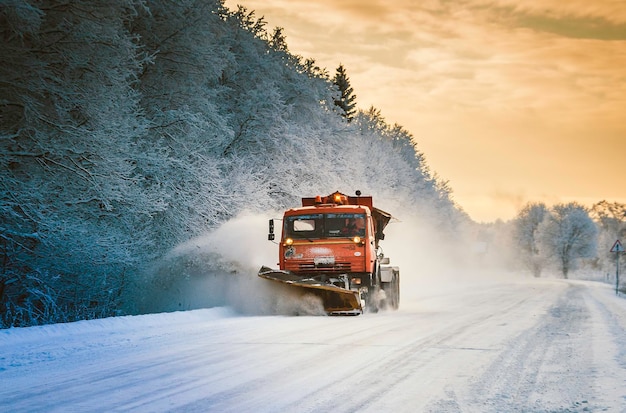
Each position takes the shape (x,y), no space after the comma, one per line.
(304,226)
(344,225)
(325,226)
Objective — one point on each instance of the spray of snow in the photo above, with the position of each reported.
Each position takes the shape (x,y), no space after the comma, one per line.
(433,264)
(220,269)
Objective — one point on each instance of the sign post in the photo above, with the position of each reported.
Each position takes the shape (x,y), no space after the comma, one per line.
(617,248)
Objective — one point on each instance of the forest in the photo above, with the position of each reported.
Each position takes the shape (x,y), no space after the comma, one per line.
(130,127)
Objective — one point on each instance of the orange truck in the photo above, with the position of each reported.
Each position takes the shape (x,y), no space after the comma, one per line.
(330,248)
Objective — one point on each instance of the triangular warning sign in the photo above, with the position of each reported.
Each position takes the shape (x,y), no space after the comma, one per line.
(617,247)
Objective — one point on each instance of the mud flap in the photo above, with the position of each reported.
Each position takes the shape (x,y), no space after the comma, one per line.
(336,300)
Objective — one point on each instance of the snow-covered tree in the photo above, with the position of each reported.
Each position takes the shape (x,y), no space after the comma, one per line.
(188,132)
(69,191)
(526,236)
(610,218)
(568,234)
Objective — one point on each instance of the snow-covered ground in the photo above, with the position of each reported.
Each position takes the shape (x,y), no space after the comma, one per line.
(525,345)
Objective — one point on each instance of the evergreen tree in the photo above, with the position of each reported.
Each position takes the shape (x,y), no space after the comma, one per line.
(347,99)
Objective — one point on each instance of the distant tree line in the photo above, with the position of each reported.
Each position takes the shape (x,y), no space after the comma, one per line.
(559,239)
(128,127)
(560,235)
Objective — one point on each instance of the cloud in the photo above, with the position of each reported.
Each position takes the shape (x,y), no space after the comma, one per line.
(608,10)
(493,54)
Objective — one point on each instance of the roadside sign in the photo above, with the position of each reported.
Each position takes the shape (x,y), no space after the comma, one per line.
(617,247)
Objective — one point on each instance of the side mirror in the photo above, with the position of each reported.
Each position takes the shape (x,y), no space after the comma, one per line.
(270,236)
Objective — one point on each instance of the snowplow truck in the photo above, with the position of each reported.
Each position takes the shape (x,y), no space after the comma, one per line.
(329,247)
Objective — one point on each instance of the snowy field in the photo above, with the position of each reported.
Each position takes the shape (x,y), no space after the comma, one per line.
(516,346)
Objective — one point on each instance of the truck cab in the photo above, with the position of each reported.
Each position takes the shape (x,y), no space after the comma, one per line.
(329,248)
(329,240)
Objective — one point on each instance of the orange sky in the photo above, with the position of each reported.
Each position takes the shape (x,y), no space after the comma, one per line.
(509,101)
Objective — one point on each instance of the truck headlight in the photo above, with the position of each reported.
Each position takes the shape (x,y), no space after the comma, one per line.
(288,241)
(357,240)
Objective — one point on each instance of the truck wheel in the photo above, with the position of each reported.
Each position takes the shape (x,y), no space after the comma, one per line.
(373,294)
(394,293)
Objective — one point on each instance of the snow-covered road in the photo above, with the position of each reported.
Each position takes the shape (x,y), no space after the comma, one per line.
(531,346)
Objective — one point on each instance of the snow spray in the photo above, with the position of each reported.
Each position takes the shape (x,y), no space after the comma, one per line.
(220,269)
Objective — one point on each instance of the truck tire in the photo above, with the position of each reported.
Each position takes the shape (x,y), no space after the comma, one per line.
(394,293)
(373,295)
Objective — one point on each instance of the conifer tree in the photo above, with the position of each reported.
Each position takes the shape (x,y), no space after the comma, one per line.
(347,99)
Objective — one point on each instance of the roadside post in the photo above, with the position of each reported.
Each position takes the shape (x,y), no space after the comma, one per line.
(617,249)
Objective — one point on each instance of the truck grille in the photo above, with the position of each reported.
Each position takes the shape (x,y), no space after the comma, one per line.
(338,266)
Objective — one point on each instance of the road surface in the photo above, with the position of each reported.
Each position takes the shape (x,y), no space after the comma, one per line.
(518,346)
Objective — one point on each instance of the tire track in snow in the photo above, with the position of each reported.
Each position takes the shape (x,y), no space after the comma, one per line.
(428,364)
(365,386)
(544,369)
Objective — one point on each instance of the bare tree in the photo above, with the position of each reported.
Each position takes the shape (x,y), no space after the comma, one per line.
(610,218)
(568,234)
(526,236)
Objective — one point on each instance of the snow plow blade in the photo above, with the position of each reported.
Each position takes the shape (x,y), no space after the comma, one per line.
(336,300)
